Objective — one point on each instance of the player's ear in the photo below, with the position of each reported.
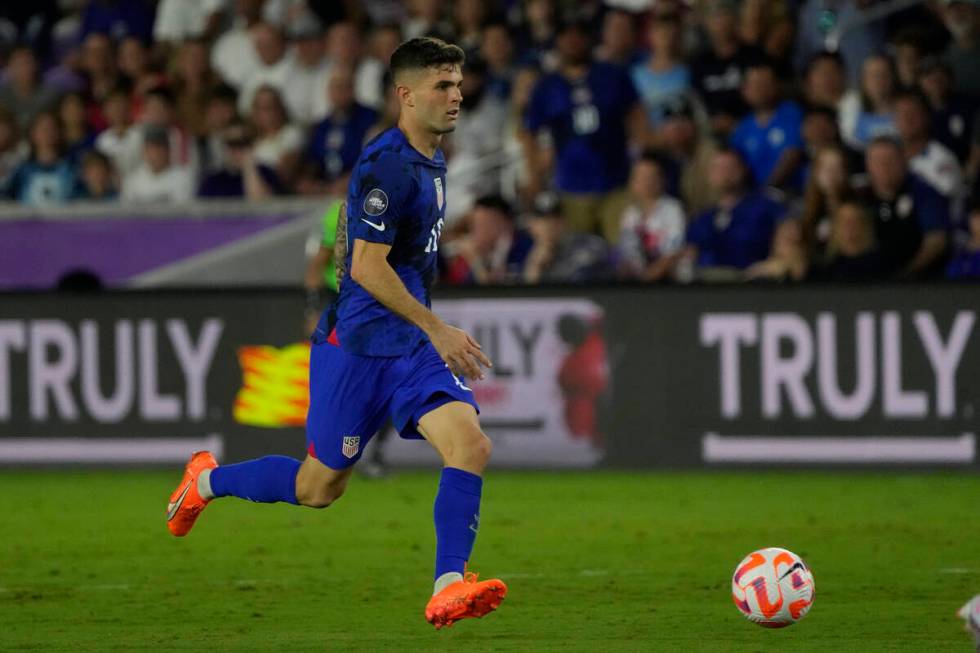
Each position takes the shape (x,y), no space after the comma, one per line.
(405,95)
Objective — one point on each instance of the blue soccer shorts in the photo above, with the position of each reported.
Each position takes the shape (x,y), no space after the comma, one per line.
(351,397)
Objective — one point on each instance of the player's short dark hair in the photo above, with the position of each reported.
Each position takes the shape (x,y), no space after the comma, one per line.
(425,52)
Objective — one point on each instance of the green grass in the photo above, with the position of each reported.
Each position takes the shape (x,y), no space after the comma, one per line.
(595,562)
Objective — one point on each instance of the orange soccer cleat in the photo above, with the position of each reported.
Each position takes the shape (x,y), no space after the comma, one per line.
(464,599)
(186,503)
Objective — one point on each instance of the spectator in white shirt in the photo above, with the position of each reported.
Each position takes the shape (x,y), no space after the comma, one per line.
(344,49)
(927,157)
(120,141)
(157,179)
(233,56)
(278,143)
(309,65)
(177,20)
(653,224)
(275,66)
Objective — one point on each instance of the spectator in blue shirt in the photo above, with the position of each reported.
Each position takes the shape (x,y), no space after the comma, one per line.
(47,177)
(736,232)
(242,176)
(663,77)
(584,109)
(910,217)
(97,181)
(770,138)
(336,141)
(966,264)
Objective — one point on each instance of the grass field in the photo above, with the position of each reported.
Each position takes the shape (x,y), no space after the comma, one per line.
(595,562)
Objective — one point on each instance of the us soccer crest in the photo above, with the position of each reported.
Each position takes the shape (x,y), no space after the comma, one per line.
(352,443)
(440,199)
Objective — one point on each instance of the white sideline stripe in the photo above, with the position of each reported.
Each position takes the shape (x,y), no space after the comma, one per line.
(717,448)
(106,450)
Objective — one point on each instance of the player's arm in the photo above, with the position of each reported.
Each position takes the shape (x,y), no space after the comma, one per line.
(370,269)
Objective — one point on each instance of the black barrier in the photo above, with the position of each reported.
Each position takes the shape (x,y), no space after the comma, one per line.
(626,377)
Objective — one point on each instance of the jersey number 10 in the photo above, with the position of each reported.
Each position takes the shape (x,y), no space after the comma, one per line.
(433,244)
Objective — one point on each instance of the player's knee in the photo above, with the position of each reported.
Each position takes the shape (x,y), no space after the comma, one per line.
(474,450)
(321,495)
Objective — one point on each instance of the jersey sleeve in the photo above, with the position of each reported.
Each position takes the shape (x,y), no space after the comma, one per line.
(382,193)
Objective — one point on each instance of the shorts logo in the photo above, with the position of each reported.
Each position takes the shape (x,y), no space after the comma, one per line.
(376,202)
(352,443)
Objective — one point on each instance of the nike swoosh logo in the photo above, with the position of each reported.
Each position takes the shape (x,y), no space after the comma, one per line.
(173,506)
(379,227)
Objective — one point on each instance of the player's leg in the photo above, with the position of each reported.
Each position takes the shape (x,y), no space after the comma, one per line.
(454,431)
(318,486)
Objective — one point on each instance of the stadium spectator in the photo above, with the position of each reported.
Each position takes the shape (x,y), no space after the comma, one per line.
(859,39)
(192,81)
(514,175)
(851,251)
(537,34)
(476,148)
(874,114)
(427,18)
(768,26)
(928,158)
(13,149)
(336,141)
(910,217)
(99,68)
(344,49)
(274,67)
(97,179)
(220,112)
(22,93)
(909,48)
(560,256)
(47,176)
(158,178)
(29,24)
(118,18)
(825,86)
(737,231)
(584,109)
(278,142)
(821,130)
(718,73)
(827,187)
(233,56)
(770,138)
(120,141)
(788,259)
(493,251)
(955,121)
(77,135)
(966,263)
(242,175)
(664,76)
(689,151)
(497,50)
(177,20)
(468,18)
(133,64)
(309,67)
(617,44)
(962,19)
(653,224)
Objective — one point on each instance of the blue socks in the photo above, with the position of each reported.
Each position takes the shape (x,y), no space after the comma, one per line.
(457,517)
(263,480)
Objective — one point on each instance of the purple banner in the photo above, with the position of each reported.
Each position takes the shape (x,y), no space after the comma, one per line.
(37,253)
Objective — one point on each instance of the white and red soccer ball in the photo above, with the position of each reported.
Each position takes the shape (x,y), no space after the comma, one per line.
(773,587)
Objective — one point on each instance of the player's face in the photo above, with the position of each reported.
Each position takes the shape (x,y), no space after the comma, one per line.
(437,98)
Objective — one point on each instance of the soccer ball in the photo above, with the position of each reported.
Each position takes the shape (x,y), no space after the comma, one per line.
(773,587)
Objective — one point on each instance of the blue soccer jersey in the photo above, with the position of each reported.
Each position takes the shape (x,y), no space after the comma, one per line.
(587,122)
(396,197)
(762,145)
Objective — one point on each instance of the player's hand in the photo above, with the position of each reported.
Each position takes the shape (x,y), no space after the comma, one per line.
(462,354)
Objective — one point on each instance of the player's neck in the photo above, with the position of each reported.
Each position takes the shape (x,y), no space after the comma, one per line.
(422,140)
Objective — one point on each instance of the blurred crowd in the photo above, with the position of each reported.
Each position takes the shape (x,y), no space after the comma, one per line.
(626,139)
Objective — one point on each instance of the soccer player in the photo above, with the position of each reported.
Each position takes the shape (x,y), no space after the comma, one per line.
(379,350)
